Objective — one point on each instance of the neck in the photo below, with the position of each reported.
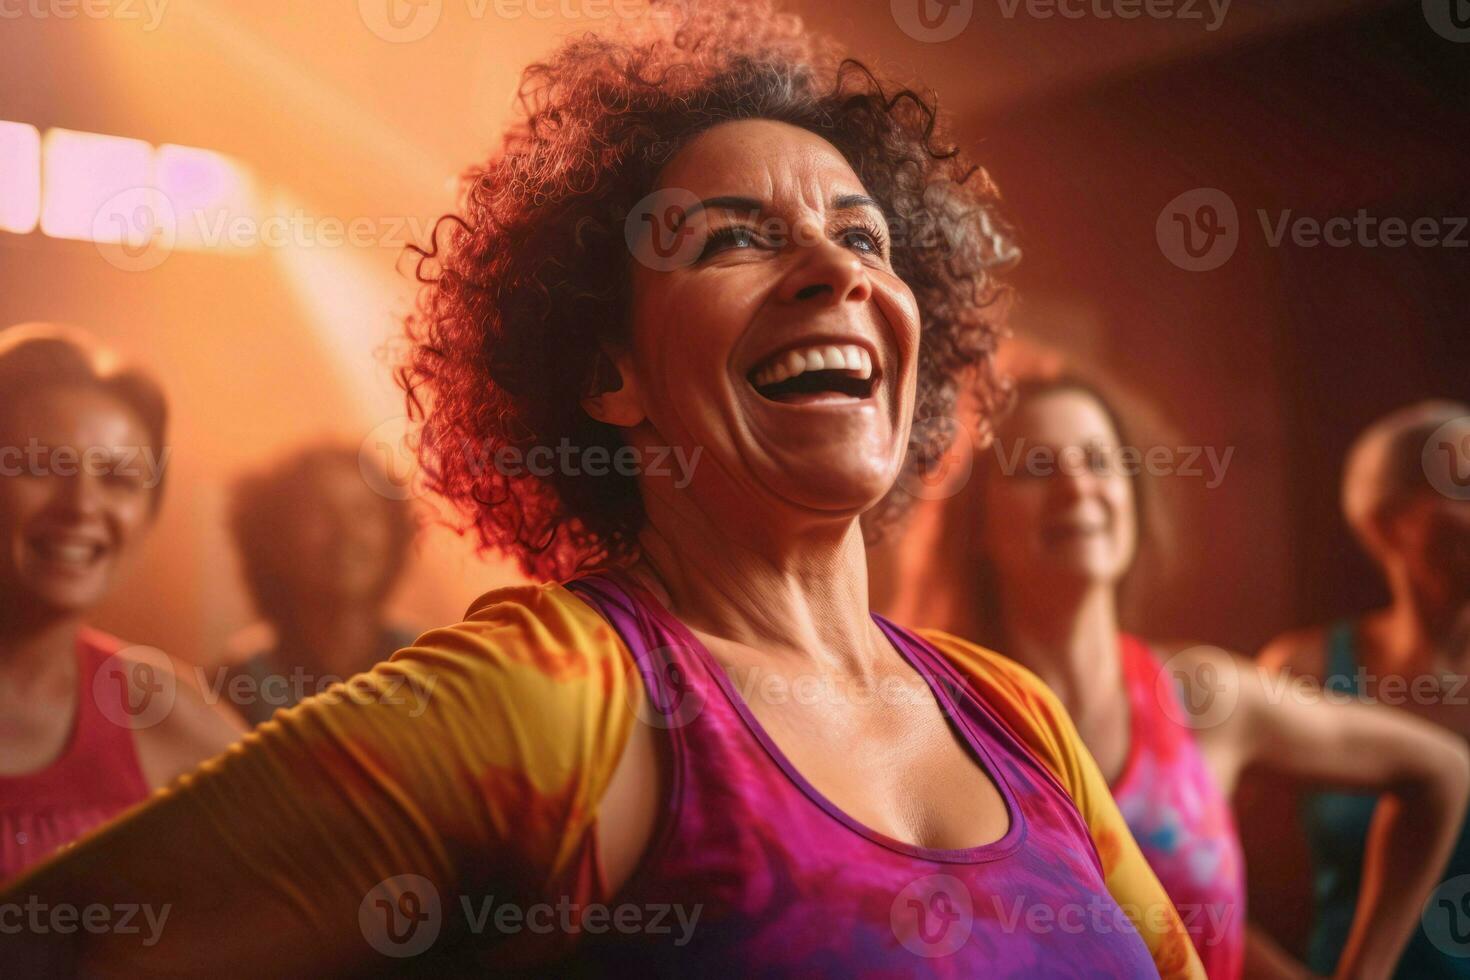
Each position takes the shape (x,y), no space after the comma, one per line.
(1410,629)
(1070,639)
(36,649)
(337,639)
(804,596)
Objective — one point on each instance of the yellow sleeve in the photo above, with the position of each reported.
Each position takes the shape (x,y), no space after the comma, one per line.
(1038,717)
(468,765)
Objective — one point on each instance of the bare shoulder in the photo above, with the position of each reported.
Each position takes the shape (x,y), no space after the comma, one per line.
(1300,651)
(176,723)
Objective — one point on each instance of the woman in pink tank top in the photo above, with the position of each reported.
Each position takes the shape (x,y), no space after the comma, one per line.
(1054,524)
(86,727)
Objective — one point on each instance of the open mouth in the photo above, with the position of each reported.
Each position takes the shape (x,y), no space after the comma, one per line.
(1057,533)
(822,372)
(68,552)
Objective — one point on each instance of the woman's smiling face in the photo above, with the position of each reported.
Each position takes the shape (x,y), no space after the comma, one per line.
(783,348)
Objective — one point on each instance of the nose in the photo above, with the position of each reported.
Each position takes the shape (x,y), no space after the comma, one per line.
(1070,484)
(78,495)
(826,274)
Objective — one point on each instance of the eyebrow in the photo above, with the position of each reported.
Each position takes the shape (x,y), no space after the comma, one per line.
(843,202)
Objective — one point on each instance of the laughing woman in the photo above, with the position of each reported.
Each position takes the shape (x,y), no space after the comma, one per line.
(75,749)
(708,758)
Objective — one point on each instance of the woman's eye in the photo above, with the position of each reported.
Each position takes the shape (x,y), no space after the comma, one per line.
(731,236)
(863,239)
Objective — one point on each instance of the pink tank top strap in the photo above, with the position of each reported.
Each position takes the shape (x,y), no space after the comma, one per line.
(1179,815)
(96,776)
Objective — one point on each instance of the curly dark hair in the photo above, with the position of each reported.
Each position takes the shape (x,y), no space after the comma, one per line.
(525,285)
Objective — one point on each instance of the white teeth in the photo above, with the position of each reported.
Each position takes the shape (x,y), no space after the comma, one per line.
(68,552)
(828,357)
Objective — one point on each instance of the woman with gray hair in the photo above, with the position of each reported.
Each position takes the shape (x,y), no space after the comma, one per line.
(1406,495)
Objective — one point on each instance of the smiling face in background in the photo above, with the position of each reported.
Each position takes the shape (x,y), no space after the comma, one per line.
(785,349)
(66,526)
(341,538)
(1072,522)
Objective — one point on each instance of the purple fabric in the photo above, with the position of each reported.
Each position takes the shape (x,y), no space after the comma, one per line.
(786,884)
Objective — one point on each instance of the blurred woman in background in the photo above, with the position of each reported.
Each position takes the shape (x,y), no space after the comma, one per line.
(1406,496)
(321,551)
(87,727)
(1046,535)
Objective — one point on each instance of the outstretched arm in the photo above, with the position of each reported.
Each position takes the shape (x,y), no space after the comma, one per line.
(312,846)
(1422,772)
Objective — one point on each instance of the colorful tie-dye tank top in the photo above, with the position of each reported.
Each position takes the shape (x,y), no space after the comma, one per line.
(439,816)
(790,885)
(1179,817)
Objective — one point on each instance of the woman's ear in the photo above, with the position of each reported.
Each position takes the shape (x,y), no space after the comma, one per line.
(614,396)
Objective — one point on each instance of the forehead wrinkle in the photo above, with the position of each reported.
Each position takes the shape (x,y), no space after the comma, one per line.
(807,176)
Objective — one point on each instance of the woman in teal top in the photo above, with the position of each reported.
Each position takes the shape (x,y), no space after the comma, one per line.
(1337,826)
(1406,494)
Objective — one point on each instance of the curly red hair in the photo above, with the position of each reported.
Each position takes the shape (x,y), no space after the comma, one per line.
(527,283)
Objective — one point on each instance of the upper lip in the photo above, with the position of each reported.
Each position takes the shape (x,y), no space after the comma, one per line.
(69,538)
(1074,526)
(821,339)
